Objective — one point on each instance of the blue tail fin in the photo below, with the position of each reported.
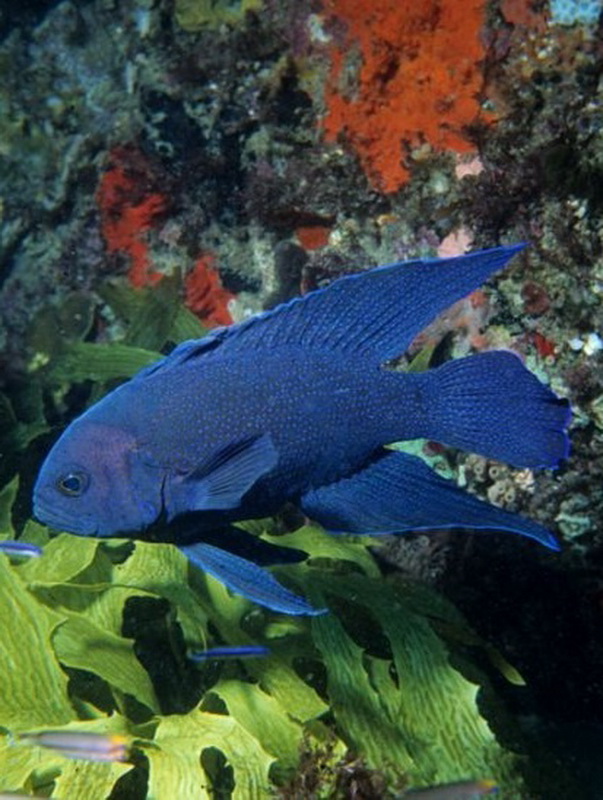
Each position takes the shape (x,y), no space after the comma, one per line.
(492,405)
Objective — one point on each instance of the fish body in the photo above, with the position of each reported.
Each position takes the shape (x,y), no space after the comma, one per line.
(18,796)
(296,405)
(460,790)
(17,549)
(231,651)
(86,745)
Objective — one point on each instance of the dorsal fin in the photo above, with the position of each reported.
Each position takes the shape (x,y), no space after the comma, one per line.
(377,312)
(191,348)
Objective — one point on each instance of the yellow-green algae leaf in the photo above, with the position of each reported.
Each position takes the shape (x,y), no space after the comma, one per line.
(292,694)
(64,558)
(276,677)
(87,361)
(81,644)
(224,608)
(421,361)
(86,780)
(320,544)
(153,315)
(186,326)
(434,708)
(107,610)
(380,675)
(263,717)
(7,498)
(92,592)
(354,702)
(17,763)
(192,15)
(25,764)
(175,766)
(35,533)
(161,569)
(34,688)
(437,706)
(450,624)
(150,325)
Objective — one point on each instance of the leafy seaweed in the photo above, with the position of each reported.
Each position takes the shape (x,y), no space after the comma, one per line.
(406,713)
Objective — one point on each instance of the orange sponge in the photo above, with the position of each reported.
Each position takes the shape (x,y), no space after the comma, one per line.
(403,74)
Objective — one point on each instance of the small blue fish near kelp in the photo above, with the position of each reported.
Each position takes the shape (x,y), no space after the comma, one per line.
(16,549)
(230,651)
(296,405)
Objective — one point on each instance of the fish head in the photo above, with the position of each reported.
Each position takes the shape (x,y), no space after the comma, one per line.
(97,481)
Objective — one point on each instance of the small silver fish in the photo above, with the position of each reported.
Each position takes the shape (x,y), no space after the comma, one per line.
(17,796)
(87,745)
(231,651)
(460,790)
(22,549)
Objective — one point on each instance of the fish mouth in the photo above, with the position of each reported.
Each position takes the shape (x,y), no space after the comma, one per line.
(81,526)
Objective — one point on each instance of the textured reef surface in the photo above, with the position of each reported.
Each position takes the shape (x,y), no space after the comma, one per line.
(167,167)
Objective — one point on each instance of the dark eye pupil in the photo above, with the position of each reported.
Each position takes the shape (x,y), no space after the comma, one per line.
(72,484)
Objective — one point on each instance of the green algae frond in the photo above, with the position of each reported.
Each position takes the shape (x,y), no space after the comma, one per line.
(192,15)
(75,656)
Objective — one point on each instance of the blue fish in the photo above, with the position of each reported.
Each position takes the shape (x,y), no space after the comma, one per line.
(296,405)
(17,549)
(230,651)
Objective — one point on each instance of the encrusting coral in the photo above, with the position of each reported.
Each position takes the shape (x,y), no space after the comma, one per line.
(129,208)
(416,75)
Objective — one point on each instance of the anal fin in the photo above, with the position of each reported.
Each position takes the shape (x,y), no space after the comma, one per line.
(398,492)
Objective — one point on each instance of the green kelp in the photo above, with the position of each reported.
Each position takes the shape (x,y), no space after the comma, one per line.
(193,15)
(143,321)
(370,679)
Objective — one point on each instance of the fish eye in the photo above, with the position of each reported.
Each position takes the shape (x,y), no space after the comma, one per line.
(73,484)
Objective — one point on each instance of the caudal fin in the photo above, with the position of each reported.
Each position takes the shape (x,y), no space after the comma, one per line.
(492,405)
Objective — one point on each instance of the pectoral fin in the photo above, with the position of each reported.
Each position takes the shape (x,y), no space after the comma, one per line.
(221,481)
(246,578)
(397,492)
